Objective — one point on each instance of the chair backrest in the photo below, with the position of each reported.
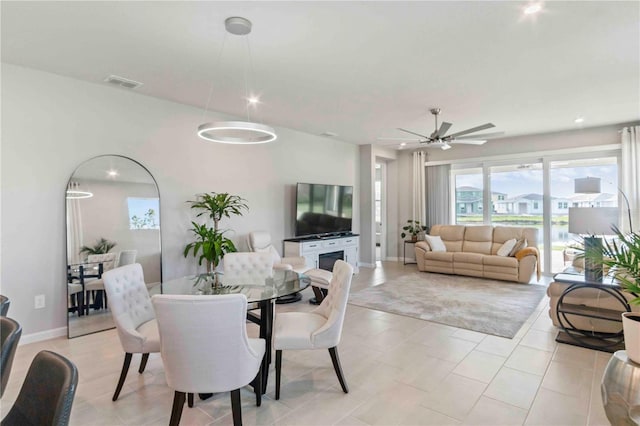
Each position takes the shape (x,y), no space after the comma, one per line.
(108,260)
(334,306)
(247,268)
(4,305)
(129,302)
(127,257)
(47,393)
(10,332)
(204,343)
(260,242)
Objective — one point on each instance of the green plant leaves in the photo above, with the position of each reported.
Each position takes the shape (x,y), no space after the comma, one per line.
(101,246)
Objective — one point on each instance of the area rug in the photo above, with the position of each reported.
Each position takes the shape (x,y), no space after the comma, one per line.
(488,306)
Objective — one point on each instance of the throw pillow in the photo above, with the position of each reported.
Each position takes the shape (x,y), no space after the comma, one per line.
(435,242)
(522,243)
(506,248)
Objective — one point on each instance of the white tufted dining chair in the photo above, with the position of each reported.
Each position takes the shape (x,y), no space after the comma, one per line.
(247,268)
(318,329)
(133,314)
(91,285)
(260,242)
(205,348)
(127,257)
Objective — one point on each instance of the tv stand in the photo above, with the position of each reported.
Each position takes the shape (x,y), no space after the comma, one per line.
(322,251)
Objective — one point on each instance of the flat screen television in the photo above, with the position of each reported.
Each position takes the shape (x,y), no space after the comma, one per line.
(323,209)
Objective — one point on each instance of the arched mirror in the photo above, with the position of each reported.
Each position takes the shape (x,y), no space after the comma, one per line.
(113,219)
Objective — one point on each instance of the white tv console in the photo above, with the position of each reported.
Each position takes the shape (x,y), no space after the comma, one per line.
(320,251)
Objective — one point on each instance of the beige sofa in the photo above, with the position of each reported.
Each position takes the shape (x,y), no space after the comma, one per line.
(471,250)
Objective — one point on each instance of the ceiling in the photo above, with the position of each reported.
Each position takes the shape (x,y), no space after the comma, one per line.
(357,69)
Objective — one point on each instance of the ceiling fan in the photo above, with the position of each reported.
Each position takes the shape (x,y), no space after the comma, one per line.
(440,139)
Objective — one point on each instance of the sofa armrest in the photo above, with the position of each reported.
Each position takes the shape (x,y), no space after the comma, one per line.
(421,248)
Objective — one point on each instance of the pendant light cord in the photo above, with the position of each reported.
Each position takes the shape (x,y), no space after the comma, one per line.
(215,68)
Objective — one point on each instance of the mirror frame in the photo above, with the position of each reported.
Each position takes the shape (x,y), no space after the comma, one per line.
(67,231)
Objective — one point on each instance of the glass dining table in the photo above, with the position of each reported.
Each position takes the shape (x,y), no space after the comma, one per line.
(260,291)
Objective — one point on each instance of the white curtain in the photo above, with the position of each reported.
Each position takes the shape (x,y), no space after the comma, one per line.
(74,226)
(630,184)
(419,188)
(438,195)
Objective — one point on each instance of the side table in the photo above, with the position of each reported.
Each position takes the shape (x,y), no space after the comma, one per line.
(620,389)
(573,335)
(404,251)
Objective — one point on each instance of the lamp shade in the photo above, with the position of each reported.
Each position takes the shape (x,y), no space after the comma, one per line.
(592,220)
(588,185)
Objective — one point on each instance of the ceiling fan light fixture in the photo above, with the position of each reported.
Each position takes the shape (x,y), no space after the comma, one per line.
(445,147)
(238,132)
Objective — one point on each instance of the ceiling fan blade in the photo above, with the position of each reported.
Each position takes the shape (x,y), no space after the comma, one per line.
(471,130)
(468,141)
(482,135)
(444,127)
(413,133)
(400,139)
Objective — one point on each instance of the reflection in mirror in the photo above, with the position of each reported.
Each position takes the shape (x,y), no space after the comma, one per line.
(113,219)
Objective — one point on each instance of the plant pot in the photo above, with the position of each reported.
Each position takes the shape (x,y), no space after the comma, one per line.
(414,238)
(631,327)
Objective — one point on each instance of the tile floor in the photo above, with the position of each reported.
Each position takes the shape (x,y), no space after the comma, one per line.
(400,370)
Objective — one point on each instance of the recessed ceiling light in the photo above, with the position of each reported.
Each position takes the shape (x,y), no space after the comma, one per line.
(253,100)
(403,144)
(579,120)
(532,8)
(112,173)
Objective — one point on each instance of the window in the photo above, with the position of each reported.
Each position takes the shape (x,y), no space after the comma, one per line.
(143,213)
(535,205)
(468,198)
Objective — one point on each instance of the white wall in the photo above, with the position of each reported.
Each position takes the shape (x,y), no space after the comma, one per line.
(50,124)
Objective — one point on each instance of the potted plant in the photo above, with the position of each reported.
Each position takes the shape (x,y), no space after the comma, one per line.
(210,244)
(413,228)
(622,256)
(101,246)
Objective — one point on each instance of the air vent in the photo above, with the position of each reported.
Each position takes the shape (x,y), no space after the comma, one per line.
(328,134)
(122,82)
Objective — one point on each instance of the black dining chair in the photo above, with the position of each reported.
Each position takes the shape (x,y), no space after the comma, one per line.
(4,305)
(10,332)
(47,393)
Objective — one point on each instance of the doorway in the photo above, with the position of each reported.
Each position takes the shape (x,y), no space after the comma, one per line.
(380,207)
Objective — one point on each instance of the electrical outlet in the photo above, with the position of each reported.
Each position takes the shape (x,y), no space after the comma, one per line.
(38,302)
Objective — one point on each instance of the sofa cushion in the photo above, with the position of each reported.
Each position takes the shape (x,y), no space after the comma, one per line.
(440,256)
(504,261)
(477,239)
(504,233)
(451,235)
(435,243)
(462,257)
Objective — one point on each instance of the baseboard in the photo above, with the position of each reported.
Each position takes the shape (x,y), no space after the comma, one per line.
(366,265)
(42,335)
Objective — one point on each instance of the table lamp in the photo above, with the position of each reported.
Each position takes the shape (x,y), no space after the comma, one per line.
(592,221)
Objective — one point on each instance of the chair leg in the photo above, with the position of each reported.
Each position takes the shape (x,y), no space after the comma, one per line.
(123,375)
(236,408)
(176,410)
(336,366)
(278,369)
(190,400)
(257,386)
(143,363)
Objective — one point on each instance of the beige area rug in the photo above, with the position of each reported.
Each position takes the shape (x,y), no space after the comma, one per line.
(488,306)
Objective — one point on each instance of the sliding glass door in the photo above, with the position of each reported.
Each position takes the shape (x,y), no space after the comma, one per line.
(562,175)
(517,197)
(536,192)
